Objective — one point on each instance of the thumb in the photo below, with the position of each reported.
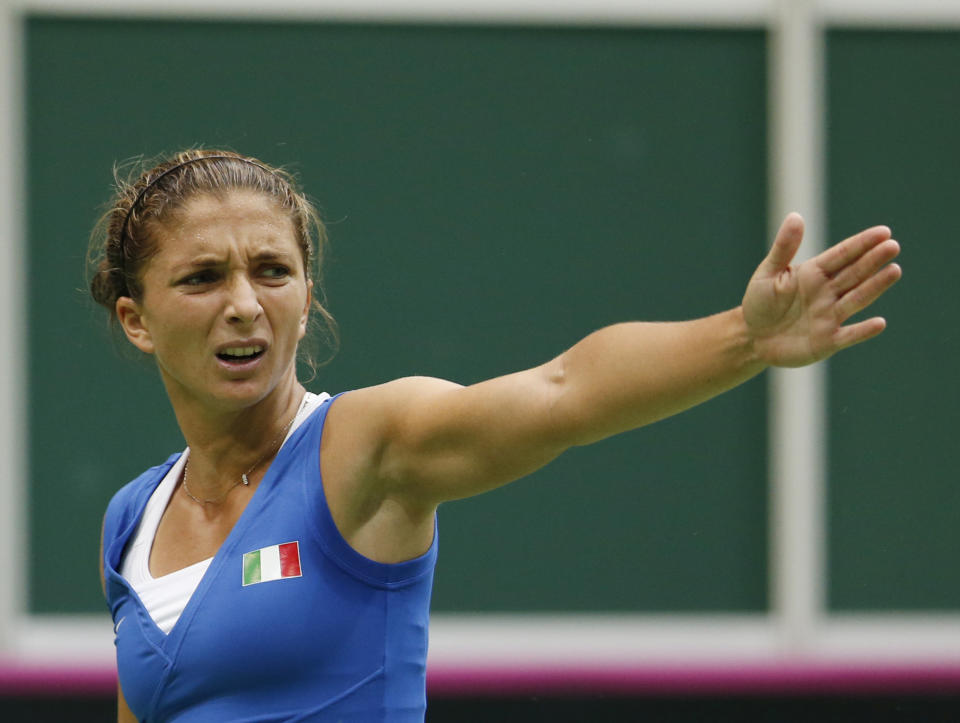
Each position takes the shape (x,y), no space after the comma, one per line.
(785,245)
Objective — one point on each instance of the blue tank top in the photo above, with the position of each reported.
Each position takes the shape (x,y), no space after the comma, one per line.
(316,632)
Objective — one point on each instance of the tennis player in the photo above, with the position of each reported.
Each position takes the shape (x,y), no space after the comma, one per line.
(279,568)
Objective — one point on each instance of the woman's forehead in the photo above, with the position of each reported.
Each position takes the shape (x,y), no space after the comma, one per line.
(211,224)
(211,211)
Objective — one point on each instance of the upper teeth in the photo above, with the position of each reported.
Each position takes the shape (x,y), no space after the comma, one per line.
(242,350)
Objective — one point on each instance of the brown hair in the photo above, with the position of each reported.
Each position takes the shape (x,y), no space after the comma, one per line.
(124,239)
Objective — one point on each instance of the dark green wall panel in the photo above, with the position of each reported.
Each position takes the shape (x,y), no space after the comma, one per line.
(894,158)
(493,194)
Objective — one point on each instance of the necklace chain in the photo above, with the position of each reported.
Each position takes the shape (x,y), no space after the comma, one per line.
(244,478)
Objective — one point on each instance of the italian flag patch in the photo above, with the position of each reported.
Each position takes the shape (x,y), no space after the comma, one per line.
(271,563)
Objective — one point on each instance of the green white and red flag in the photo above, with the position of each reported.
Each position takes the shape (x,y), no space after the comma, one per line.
(271,563)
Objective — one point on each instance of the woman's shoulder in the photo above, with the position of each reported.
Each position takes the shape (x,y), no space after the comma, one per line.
(383,403)
(134,493)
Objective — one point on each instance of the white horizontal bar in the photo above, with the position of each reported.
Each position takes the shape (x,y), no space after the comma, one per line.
(930,14)
(64,639)
(890,638)
(584,640)
(892,14)
(600,639)
(686,12)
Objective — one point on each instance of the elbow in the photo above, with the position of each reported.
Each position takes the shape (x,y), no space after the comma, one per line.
(567,408)
(555,374)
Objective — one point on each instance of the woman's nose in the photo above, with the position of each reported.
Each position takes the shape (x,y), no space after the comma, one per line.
(243,305)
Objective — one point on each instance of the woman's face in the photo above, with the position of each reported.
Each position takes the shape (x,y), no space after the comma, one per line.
(225,301)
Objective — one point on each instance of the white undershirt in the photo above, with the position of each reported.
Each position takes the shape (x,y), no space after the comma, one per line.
(166,596)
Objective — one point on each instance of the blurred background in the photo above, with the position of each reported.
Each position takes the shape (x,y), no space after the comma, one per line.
(498,181)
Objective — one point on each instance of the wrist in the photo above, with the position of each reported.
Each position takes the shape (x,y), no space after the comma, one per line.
(748,346)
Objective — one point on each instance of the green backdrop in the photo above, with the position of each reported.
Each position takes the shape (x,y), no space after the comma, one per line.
(493,195)
(894,158)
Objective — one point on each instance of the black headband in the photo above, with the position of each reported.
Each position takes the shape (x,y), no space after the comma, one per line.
(143,191)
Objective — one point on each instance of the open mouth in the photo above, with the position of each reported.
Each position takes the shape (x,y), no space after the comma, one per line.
(240,354)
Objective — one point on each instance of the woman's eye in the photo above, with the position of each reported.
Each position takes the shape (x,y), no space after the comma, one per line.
(276,272)
(200,278)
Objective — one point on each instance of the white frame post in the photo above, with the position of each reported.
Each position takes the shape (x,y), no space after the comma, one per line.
(797,396)
(13,382)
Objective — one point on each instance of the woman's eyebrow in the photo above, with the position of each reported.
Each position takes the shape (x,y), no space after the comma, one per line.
(202,261)
(268,254)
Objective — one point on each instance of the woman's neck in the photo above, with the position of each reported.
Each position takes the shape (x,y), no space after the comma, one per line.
(226,444)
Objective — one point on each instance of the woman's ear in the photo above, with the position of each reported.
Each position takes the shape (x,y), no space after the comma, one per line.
(131,319)
(306,309)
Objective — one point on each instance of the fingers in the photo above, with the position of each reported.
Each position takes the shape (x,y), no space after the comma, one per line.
(864,294)
(846,252)
(847,336)
(866,266)
(785,245)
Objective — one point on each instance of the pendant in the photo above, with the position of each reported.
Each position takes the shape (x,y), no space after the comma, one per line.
(244,478)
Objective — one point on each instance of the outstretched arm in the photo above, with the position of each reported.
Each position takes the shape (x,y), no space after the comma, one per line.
(441,441)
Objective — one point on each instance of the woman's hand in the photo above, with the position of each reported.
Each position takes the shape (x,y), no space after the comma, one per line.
(796,314)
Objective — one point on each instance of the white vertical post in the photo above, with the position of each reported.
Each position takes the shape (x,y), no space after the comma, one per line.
(13,418)
(797,396)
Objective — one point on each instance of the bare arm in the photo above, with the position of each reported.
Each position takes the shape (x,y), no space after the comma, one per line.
(440,441)
(124,714)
